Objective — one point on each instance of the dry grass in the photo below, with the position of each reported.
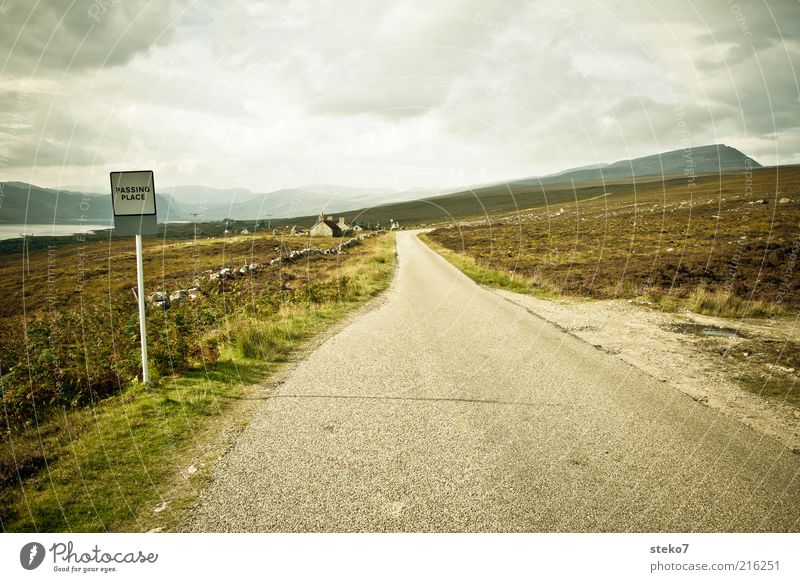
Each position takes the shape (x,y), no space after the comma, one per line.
(108,466)
(724,246)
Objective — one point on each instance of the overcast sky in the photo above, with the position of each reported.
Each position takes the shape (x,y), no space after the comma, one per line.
(265,95)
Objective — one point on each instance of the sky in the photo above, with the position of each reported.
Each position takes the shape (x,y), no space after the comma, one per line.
(399,94)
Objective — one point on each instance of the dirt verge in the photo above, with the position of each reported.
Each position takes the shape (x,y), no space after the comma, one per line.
(729,365)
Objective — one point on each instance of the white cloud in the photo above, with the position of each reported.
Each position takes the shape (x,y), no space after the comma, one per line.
(272,94)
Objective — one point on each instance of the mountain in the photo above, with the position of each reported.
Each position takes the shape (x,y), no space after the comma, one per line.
(560,188)
(181,203)
(710,159)
(242,204)
(25,203)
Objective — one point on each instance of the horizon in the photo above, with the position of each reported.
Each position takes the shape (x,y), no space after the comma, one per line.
(389,95)
(426,191)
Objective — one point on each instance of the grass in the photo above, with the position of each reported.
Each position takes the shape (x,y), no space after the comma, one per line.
(717,303)
(79,273)
(486,276)
(110,467)
(724,245)
(767,368)
(106,468)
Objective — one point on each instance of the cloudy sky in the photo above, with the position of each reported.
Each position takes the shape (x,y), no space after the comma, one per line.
(264,95)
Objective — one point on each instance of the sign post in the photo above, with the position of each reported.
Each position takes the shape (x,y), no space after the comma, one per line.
(133,196)
(142,320)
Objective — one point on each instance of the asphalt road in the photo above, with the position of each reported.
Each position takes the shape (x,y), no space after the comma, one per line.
(450,409)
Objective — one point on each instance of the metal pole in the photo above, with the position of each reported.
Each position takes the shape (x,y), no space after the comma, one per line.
(142,323)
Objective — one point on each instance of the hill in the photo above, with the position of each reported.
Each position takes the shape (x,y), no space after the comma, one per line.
(25,203)
(378,205)
(565,187)
(242,204)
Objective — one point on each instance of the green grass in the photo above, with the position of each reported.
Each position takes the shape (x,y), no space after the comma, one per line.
(488,276)
(108,467)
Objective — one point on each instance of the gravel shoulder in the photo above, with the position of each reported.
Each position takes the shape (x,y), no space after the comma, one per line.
(672,348)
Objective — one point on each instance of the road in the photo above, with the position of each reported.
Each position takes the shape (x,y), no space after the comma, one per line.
(451,409)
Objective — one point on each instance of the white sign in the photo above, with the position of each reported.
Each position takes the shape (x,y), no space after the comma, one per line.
(133,193)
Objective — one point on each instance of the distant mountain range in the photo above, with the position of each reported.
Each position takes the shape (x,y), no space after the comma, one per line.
(242,204)
(563,187)
(23,203)
(27,204)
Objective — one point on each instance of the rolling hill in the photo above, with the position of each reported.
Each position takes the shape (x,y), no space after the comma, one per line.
(564,187)
(24,203)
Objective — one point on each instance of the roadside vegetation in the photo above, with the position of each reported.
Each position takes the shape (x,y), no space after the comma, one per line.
(87,447)
(727,246)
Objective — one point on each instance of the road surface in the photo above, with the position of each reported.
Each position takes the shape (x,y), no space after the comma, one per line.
(451,409)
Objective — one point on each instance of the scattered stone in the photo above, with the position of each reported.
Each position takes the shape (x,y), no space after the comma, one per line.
(159,299)
(784,200)
(178,296)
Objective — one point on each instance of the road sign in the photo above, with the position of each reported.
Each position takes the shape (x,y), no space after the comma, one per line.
(133,196)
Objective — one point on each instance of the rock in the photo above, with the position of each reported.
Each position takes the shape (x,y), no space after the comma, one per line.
(160,508)
(178,296)
(191,470)
(158,297)
(194,292)
(783,201)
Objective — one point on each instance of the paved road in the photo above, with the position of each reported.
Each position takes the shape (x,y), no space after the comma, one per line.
(451,409)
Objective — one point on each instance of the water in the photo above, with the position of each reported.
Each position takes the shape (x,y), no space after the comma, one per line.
(698,329)
(720,332)
(8,231)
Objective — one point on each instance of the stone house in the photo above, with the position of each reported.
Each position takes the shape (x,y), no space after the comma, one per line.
(344,226)
(326,227)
